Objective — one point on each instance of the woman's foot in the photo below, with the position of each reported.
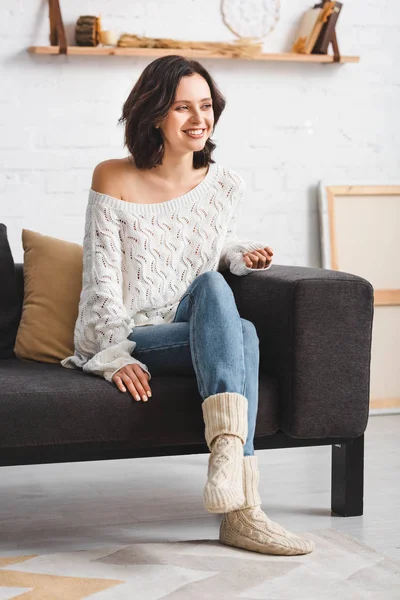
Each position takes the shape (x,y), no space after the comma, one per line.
(251,529)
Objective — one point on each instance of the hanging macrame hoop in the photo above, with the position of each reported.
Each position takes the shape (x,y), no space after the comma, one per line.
(262,17)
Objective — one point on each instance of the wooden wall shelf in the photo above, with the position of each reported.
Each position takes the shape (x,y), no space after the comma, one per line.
(156,52)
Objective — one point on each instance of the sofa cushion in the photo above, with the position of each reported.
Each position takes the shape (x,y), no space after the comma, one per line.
(52,286)
(43,404)
(10,306)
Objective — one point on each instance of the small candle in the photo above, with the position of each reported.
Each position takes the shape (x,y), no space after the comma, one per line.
(109,38)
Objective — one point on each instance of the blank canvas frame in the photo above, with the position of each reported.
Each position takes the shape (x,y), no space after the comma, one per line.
(360,234)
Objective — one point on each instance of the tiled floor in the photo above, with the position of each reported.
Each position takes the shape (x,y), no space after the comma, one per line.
(51,508)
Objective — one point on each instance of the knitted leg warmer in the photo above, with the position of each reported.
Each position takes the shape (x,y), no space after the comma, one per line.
(250,528)
(226,428)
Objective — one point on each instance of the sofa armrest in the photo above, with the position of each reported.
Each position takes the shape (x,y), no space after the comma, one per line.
(315,331)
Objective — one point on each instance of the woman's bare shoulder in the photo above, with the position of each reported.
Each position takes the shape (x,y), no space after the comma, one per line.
(106,177)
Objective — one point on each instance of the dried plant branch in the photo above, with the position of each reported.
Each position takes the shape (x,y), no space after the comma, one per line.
(243,48)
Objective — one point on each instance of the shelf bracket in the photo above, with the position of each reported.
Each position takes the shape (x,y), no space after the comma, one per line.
(57,31)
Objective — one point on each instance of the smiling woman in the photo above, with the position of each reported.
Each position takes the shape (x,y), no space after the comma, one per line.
(160,228)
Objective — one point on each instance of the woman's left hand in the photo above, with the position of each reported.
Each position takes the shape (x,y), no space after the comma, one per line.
(259,259)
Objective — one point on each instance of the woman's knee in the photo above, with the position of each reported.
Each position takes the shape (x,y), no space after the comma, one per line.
(213,280)
(211,277)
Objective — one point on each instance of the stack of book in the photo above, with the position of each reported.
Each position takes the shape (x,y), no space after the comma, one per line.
(317,28)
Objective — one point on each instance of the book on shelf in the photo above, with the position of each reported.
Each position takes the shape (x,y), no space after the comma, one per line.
(311,26)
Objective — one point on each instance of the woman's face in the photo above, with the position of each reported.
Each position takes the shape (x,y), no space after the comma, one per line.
(190,120)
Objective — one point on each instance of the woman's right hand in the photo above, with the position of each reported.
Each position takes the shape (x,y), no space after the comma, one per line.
(135,379)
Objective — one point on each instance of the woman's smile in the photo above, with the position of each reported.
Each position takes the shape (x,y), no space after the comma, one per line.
(195,133)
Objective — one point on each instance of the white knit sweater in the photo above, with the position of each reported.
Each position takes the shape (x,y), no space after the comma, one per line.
(139,260)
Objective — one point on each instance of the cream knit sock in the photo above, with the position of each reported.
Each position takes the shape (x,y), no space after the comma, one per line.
(250,528)
(226,428)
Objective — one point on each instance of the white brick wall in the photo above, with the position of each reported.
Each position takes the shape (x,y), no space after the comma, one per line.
(286,126)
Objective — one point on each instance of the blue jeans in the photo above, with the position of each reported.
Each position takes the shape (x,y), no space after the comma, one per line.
(208,339)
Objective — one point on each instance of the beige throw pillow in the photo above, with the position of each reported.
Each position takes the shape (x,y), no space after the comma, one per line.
(53,283)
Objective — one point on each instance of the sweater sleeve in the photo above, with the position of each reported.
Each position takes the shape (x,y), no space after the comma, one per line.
(232,252)
(103,324)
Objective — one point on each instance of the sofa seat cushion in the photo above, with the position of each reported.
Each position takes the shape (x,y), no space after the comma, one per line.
(43,403)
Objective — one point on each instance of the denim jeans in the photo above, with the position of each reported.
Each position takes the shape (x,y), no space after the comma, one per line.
(208,339)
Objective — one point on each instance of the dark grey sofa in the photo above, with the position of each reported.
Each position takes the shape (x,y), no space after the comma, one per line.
(314,327)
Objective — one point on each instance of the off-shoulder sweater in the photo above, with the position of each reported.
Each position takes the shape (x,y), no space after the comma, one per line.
(139,260)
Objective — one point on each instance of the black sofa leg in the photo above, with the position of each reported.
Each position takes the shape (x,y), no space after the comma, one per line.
(347,491)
